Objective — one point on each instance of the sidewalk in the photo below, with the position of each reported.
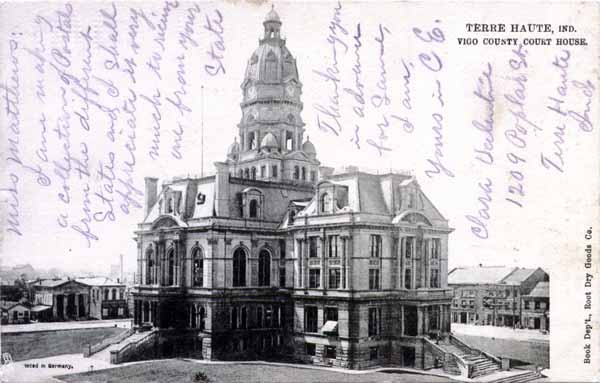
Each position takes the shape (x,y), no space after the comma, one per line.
(500,332)
(49,326)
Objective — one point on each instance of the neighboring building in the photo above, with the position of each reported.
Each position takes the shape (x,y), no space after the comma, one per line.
(69,299)
(15,312)
(536,308)
(492,295)
(107,298)
(275,255)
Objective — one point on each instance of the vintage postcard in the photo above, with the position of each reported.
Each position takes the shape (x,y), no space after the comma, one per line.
(308,191)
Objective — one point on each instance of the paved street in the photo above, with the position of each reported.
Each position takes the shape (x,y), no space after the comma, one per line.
(48,326)
(499,332)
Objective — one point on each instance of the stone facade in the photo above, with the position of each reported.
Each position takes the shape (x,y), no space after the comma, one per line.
(278,257)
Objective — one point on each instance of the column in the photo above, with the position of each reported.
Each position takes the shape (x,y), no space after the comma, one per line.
(402,320)
(419,321)
(401,265)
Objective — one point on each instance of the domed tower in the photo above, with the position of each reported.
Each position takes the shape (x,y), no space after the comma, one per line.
(271,131)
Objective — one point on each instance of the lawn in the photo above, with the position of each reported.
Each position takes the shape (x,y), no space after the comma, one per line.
(39,344)
(181,371)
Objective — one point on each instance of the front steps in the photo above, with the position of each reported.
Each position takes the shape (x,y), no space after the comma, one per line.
(526,376)
(481,364)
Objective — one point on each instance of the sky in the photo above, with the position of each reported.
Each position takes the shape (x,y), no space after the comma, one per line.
(440,106)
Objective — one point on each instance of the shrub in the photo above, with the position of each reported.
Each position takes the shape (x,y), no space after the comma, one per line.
(200,377)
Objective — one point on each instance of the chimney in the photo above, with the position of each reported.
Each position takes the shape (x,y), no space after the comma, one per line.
(325,172)
(151,194)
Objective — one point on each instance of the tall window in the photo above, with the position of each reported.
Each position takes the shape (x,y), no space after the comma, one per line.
(259,317)
(253,208)
(330,314)
(332,242)
(325,203)
(313,176)
(274,171)
(193,316)
(106,292)
(434,280)
(296,172)
(303,173)
(253,173)
(334,278)
(171,268)
(408,247)
(314,278)
(375,246)
(197,268)
(114,294)
(282,277)
(312,247)
(311,319)
(435,248)
(374,321)
(407,279)
(264,268)
(271,67)
(289,141)
(149,267)
(239,268)
(374,279)
(234,318)
(246,173)
(244,317)
(263,171)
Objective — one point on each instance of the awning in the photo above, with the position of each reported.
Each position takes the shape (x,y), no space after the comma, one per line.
(329,327)
(39,308)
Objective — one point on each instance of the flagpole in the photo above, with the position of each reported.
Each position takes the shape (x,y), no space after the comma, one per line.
(202,133)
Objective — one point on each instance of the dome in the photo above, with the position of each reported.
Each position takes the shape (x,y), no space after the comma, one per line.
(234,147)
(272,16)
(309,148)
(269,141)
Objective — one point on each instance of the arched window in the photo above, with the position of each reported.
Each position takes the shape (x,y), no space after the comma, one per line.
(247,173)
(303,174)
(325,203)
(253,209)
(149,267)
(106,292)
(253,173)
(271,67)
(120,294)
(202,317)
(234,318)
(170,205)
(197,268)
(239,268)
(264,268)
(296,172)
(241,173)
(171,268)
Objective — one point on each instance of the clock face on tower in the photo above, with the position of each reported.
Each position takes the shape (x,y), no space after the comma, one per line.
(290,90)
(251,93)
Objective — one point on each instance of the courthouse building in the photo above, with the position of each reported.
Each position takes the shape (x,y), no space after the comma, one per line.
(276,255)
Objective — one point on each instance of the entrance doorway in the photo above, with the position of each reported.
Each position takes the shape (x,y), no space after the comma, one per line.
(408,356)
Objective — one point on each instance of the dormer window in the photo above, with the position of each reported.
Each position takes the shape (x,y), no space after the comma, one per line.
(325,203)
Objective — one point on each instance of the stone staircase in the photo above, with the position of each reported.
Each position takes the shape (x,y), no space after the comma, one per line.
(105,354)
(481,364)
(526,376)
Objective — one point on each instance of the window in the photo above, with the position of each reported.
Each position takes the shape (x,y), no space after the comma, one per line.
(374,321)
(239,268)
(170,205)
(373,353)
(193,317)
(282,248)
(289,141)
(303,173)
(311,349)
(310,319)
(234,318)
(314,278)
(106,292)
(253,173)
(408,246)
(312,247)
(436,248)
(247,173)
(330,314)
(537,305)
(434,280)
(259,317)
(253,208)
(334,278)
(263,171)
(296,172)
(241,173)
(264,268)
(325,203)
(244,317)
(407,279)
(332,242)
(274,171)
(374,279)
(251,141)
(149,267)
(330,352)
(313,176)
(268,317)
(282,277)
(197,268)
(171,268)
(375,246)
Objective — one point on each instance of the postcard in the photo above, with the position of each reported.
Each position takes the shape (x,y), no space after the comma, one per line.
(308,191)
